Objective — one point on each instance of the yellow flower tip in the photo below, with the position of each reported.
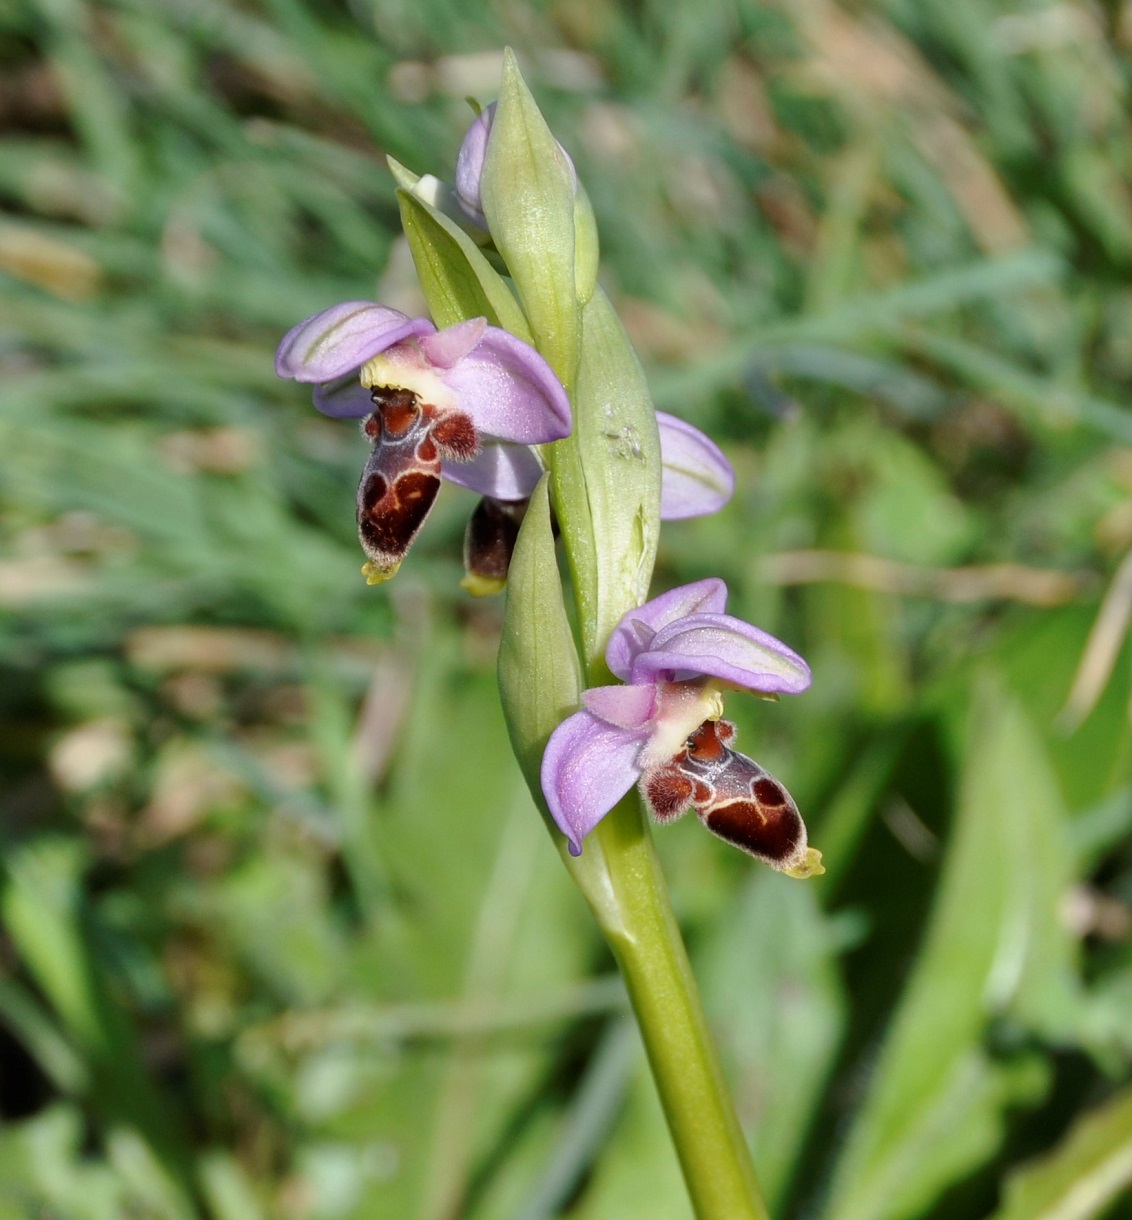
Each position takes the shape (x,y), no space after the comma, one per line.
(483,586)
(376,575)
(713,699)
(810,866)
(376,371)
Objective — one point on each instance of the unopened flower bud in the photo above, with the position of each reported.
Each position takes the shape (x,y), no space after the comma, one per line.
(489,542)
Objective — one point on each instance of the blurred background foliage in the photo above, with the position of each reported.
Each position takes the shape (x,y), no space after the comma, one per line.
(280,933)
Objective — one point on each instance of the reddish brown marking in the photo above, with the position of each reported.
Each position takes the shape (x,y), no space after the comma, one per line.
(702,793)
(390,516)
(371,426)
(769,834)
(705,744)
(667,793)
(426,449)
(456,436)
(769,793)
(398,408)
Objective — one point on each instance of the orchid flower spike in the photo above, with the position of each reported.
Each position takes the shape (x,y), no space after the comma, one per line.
(662,730)
(464,403)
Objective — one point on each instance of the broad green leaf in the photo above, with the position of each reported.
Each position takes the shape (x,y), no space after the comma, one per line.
(1082,1175)
(994,945)
(456,278)
(528,199)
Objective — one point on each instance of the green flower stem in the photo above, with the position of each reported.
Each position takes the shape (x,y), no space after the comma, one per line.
(636,917)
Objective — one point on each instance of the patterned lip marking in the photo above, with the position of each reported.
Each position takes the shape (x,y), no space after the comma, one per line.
(401,478)
(732,795)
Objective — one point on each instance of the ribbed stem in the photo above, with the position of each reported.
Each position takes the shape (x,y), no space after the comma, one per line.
(636,916)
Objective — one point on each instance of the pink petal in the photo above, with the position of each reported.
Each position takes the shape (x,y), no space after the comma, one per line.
(453,343)
(587,768)
(500,470)
(626,707)
(696,479)
(636,630)
(719,646)
(510,391)
(342,338)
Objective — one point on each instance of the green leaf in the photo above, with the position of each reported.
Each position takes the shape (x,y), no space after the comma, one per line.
(994,946)
(1082,1175)
(607,481)
(528,198)
(457,280)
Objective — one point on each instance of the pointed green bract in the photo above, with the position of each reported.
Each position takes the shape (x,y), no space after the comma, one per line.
(539,682)
(457,280)
(528,198)
(587,249)
(607,481)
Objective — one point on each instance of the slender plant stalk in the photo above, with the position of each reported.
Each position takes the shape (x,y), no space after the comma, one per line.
(646,941)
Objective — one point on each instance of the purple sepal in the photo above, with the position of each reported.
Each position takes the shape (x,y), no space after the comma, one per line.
(696,479)
(342,338)
(500,470)
(344,398)
(719,646)
(587,768)
(635,632)
(469,165)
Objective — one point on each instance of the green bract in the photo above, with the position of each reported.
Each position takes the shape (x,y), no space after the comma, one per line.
(457,280)
(607,481)
(529,200)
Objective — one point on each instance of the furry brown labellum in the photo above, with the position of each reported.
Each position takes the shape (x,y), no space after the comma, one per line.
(402,475)
(735,799)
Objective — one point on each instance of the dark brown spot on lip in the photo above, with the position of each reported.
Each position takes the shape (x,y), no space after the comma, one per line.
(391,514)
(769,793)
(770,834)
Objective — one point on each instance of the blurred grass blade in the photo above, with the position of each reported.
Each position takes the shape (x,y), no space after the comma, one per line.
(994,945)
(1083,1175)
(599,1097)
(42,909)
(785,1008)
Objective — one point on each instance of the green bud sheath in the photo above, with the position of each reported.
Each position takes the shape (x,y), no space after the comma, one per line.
(528,198)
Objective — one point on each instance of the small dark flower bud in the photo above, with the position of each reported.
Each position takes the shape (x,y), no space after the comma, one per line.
(489,542)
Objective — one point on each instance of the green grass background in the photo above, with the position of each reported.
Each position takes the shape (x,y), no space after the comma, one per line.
(280,932)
